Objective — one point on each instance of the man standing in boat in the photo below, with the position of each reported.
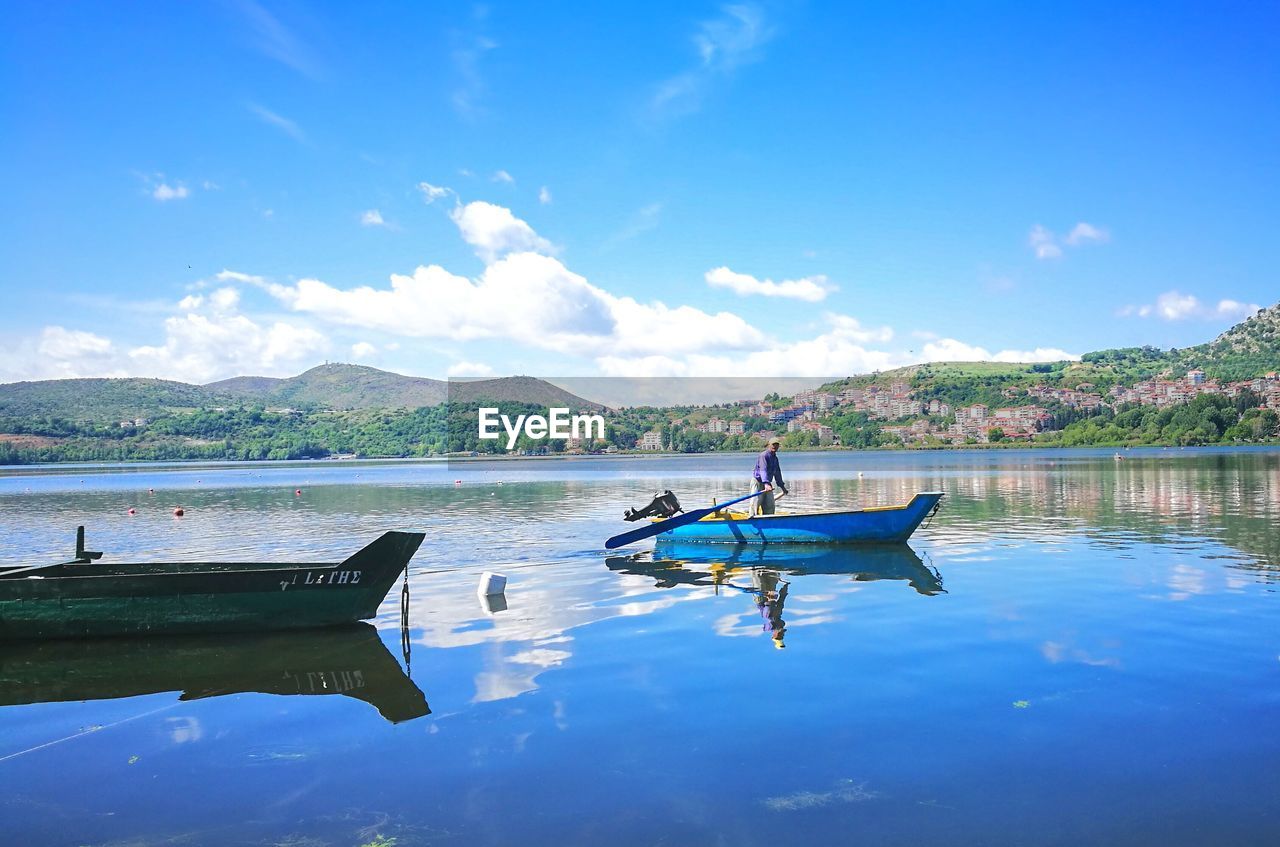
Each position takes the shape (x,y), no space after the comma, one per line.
(767,476)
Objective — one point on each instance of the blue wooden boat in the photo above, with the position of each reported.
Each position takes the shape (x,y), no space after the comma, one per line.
(872,525)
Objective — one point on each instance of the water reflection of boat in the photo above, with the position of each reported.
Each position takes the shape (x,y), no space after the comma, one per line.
(675,563)
(350,660)
(83,598)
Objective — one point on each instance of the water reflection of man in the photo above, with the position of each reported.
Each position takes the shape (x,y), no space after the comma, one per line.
(768,473)
(771,594)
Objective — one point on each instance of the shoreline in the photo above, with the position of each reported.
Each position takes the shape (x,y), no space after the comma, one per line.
(447,461)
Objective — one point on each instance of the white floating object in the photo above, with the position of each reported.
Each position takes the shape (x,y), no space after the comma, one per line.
(492,583)
(491,604)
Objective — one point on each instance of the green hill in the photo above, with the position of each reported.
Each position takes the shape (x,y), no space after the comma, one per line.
(340,386)
(517,389)
(325,388)
(101,399)
(1248,350)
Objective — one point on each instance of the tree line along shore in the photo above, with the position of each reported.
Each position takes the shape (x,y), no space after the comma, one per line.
(255,433)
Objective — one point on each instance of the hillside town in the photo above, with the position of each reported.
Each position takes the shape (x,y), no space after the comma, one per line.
(914,421)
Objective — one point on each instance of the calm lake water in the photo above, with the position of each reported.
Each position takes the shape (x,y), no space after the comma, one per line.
(1077,650)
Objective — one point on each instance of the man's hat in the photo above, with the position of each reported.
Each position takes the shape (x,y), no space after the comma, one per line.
(777,441)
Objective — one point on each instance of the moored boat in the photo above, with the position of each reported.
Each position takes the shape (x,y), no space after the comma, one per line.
(872,525)
(82,598)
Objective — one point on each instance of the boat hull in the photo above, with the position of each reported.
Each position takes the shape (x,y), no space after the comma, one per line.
(77,600)
(879,525)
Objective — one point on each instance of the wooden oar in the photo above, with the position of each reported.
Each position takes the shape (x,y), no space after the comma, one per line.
(671,523)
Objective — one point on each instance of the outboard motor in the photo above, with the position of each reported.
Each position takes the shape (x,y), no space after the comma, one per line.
(663,505)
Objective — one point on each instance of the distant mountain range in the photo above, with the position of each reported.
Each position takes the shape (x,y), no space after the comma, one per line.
(329,386)
(1249,349)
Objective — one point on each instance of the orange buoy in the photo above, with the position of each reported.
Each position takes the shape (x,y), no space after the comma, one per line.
(179,512)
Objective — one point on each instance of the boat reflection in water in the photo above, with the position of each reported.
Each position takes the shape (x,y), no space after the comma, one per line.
(768,567)
(349,660)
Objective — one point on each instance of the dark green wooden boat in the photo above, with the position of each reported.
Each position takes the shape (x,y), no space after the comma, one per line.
(350,661)
(82,598)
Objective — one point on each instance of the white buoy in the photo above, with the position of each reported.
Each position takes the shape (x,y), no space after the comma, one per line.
(492,583)
(491,604)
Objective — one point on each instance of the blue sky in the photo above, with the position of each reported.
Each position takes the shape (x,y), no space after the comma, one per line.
(196,191)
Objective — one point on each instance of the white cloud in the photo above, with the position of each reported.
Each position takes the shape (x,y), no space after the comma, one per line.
(841,350)
(432,193)
(845,348)
(951,350)
(235,276)
(164,191)
(525,297)
(723,45)
(372,217)
(1176,306)
(469,369)
(494,231)
(280,122)
(846,327)
(207,339)
(644,219)
(522,295)
(1173,306)
(532,299)
(202,347)
(503,176)
(811,289)
(544,196)
(59,353)
(1043,244)
(66,344)
(275,40)
(363,350)
(1046,245)
(224,300)
(648,327)
(1236,309)
(469,49)
(1082,233)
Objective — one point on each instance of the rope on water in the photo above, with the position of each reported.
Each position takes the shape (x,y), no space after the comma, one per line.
(405,647)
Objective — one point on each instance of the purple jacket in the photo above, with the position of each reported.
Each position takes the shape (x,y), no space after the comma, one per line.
(768,469)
